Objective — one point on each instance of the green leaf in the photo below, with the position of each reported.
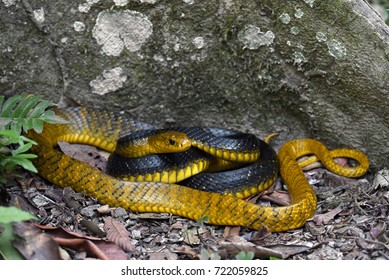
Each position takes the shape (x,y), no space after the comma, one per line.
(27,164)
(14,214)
(9,215)
(24,156)
(21,160)
(37,125)
(7,164)
(3,181)
(17,126)
(7,250)
(39,109)
(27,140)
(9,133)
(4,122)
(25,106)
(4,149)
(27,124)
(245,256)
(9,104)
(9,137)
(2,97)
(21,149)
(52,118)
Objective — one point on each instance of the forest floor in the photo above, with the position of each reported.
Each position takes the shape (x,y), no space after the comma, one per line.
(351,222)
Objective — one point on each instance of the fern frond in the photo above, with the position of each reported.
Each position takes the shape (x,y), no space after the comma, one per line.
(21,113)
(18,114)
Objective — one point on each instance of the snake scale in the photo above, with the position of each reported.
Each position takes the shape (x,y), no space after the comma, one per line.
(103,128)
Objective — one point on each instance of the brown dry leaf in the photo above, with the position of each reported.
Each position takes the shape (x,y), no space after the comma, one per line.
(165,254)
(323,219)
(193,236)
(65,233)
(93,246)
(186,250)
(71,198)
(379,229)
(82,245)
(92,227)
(24,204)
(278,197)
(231,231)
(257,235)
(176,225)
(34,244)
(117,233)
(88,154)
(260,252)
(290,250)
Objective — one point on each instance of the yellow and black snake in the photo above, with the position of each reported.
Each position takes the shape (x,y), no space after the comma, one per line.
(103,129)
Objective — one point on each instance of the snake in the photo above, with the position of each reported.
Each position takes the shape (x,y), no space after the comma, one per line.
(104,129)
(185,153)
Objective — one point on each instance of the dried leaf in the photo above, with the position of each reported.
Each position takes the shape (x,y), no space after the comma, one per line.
(278,197)
(34,244)
(234,248)
(117,233)
(165,254)
(231,231)
(191,236)
(104,209)
(194,235)
(82,245)
(186,250)
(257,235)
(93,246)
(292,249)
(176,225)
(381,179)
(92,227)
(88,154)
(323,219)
(376,231)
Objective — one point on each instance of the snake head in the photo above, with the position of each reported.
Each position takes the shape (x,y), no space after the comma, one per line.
(170,142)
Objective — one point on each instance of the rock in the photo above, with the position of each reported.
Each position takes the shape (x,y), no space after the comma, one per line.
(297,68)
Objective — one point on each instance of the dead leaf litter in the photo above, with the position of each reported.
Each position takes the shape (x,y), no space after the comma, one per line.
(351,222)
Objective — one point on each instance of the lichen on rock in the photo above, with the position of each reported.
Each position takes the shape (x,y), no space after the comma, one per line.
(116,30)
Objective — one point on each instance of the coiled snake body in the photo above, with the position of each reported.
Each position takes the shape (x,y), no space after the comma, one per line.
(103,128)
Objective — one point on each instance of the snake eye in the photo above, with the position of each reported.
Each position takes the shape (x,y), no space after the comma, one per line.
(172,142)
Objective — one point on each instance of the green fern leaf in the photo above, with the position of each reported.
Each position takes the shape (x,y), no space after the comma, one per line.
(17,126)
(25,106)
(14,214)
(39,109)
(2,97)
(9,137)
(50,117)
(21,149)
(4,122)
(9,105)
(37,125)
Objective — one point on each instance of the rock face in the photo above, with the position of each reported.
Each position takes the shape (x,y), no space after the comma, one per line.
(298,68)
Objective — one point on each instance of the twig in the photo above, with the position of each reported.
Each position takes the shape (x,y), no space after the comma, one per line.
(377,242)
(358,206)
